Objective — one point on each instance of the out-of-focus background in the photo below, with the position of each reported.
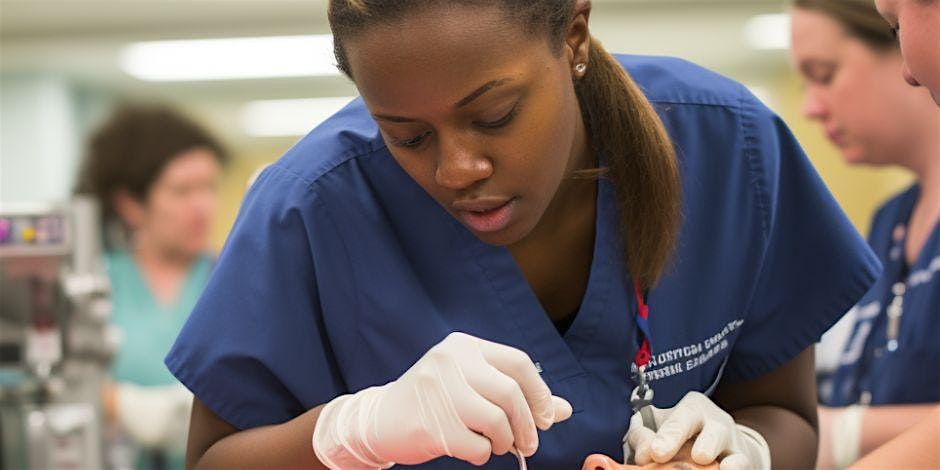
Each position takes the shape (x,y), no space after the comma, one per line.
(63,64)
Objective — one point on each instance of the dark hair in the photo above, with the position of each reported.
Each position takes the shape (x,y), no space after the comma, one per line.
(621,123)
(131,149)
(859,18)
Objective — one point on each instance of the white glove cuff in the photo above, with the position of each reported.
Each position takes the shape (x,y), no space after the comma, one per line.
(847,436)
(759,450)
(337,440)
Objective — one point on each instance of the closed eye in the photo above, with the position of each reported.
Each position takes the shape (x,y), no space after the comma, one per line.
(411,143)
(501,121)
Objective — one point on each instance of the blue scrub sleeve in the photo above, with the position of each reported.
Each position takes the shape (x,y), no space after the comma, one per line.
(255,342)
(815,264)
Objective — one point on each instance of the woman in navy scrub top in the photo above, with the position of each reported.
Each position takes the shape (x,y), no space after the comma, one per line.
(502,177)
(852,67)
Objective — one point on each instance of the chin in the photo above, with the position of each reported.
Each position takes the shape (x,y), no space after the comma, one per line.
(505,237)
(512,234)
(855,156)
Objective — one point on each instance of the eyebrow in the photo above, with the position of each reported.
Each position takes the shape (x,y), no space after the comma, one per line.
(463,102)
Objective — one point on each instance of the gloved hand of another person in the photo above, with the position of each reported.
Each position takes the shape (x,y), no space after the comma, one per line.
(466,398)
(154,416)
(716,436)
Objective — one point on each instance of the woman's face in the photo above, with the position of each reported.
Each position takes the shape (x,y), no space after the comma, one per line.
(481,115)
(177,214)
(856,93)
(918,29)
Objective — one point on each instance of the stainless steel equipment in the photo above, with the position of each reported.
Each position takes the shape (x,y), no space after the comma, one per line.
(55,345)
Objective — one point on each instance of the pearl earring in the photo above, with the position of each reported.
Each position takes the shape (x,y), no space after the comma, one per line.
(580,68)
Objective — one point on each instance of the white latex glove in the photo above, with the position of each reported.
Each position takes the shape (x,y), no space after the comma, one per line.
(717,437)
(155,416)
(466,398)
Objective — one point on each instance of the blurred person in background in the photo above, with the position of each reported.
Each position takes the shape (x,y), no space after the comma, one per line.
(155,175)
(851,65)
(916,24)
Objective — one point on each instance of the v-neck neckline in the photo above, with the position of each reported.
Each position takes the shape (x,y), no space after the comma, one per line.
(557,356)
(182,292)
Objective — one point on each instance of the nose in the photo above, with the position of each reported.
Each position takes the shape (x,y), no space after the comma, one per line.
(460,164)
(813,105)
(599,462)
(909,77)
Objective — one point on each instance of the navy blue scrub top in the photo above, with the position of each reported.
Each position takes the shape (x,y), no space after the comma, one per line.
(341,272)
(869,371)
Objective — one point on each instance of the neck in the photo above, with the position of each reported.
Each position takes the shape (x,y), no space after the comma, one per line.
(152,257)
(926,166)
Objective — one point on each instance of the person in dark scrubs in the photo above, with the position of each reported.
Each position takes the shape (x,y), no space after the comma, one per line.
(503,238)
(851,65)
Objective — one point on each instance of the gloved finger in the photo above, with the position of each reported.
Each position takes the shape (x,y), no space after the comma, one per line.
(518,366)
(505,393)
(684,422)
(469,447)
(480,415)
(563,409)
(639,438)
(735,462)
(711,442)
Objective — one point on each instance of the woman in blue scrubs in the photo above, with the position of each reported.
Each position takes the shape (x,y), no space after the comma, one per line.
(851,64)
(488,242)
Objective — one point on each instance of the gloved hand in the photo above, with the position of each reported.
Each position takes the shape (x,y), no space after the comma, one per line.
(717,437)
(154,416)
(466,398)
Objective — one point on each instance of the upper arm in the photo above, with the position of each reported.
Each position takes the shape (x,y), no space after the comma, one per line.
(205,429)
(791,386)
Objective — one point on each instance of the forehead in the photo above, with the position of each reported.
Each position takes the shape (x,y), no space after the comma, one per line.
(814,33)
(441,53)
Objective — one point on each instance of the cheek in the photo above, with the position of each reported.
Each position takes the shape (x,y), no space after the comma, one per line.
(920,51)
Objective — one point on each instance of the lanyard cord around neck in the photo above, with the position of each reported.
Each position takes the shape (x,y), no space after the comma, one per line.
(642,357)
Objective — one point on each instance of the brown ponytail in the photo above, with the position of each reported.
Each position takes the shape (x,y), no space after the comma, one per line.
(641,163)
(621,123)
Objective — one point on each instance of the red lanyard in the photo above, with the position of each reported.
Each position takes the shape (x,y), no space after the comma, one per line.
(642,320)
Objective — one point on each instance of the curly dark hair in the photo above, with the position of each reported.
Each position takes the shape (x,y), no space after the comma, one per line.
(131,149)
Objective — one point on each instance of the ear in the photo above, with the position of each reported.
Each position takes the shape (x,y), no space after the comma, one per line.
(578,36)
(129,208)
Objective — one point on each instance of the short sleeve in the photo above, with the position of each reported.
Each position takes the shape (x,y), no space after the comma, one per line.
(815,264)
(254,349)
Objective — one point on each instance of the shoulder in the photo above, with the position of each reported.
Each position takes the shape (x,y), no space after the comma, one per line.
(678,81)
(899,202)
(886,217)
(344,138)
(329,158)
